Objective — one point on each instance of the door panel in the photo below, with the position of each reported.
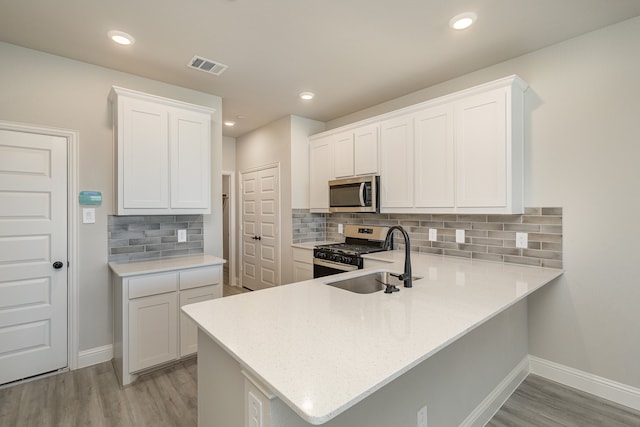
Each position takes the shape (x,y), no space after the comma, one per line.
(261,264)
(33,235)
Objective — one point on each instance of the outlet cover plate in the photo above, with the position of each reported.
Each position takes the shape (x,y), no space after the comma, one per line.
(433,234)
(459,236)
(182,236)
(522,240)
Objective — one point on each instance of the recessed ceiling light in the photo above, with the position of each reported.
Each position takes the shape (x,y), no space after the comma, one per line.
(463,21)
(121,37)
(229,123)
(307,95)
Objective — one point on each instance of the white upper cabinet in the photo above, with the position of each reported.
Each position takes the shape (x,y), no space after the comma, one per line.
(396,171)
(145,142)
(190,160)
(460,153)
(343,155)
(320,174)
(355,152)
(484,154)
(365,150)
(163,155)
(434,158)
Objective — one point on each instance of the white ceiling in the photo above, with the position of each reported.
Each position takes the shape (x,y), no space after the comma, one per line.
(352,53)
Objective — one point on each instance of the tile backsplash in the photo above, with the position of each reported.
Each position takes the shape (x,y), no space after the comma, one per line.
(487,237)
(308,227)
(134,238)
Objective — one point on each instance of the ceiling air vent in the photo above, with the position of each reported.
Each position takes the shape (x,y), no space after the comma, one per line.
(207,65)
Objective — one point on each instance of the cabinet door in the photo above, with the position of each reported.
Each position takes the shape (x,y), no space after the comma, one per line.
(343,155)
(434,158)
(190,160)
(153,331)
(481,150)
(396,172)
(188,329)
(302,271)
(144,164)
(319,175)
(365,148)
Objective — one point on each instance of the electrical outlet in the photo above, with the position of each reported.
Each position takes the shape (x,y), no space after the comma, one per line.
(340,228)
(459,236)
(422,417)
(522,240)
(433,234)
(182,236)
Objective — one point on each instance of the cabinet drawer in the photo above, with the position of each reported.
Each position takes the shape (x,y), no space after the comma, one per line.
(303,255)
(152,285)
(199,277)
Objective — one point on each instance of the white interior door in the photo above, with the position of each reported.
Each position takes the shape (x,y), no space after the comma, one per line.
(33,239)
(260,229)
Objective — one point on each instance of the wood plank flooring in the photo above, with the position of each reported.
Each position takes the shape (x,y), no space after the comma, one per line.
(539,402)
(233,290)
(92,397)
(168,397)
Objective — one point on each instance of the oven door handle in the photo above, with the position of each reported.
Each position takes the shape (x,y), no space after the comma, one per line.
(336,265)
(362,186)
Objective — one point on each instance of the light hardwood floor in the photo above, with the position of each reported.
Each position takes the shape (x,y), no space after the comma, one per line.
(233,290)
(92,397)
(539,402)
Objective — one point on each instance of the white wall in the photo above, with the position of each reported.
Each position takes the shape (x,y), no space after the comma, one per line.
(283,142)
(269,145)
(228,154)
(48,90)
(582,150)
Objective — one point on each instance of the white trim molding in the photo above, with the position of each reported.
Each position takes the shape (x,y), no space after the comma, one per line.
(481,415)
(96,355)
(586,382)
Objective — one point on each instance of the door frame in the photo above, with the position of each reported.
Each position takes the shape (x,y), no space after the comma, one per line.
(72,137)
(232,227)
(279,221)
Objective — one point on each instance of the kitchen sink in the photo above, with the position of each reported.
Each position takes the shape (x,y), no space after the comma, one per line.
(370,283)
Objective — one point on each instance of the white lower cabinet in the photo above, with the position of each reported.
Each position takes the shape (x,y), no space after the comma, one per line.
(188,329)
(149,328)
(153,331)
(302,264)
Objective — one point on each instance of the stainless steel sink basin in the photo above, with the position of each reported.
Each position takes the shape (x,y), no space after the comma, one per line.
(369,283)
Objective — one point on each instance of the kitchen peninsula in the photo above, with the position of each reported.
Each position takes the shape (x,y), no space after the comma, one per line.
(308,353)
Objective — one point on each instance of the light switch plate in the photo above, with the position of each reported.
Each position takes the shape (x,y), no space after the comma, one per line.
(433,234)
(182,236)
(341,228)
(88,215)
(459,236)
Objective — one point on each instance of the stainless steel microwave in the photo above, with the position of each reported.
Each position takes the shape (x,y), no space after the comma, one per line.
(359,194)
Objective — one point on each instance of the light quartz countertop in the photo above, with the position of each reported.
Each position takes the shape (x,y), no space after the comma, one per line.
(132,268)
(321,349)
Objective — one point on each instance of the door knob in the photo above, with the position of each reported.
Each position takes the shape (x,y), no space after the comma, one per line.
(58,265)
(258,237)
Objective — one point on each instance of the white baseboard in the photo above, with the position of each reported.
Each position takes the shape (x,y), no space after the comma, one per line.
(96,355)
(481,415)
(586,382)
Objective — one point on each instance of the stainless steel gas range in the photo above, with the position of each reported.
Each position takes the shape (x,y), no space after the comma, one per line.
(340,257)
